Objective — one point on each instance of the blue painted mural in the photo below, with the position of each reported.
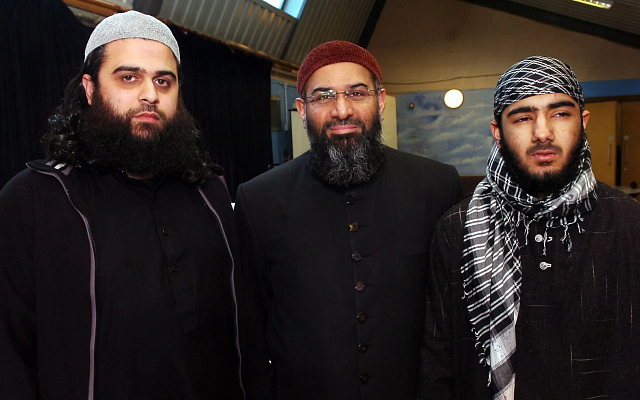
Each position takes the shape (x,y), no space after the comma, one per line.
(460,137)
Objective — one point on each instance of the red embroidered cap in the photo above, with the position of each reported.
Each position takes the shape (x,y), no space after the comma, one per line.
(333,52)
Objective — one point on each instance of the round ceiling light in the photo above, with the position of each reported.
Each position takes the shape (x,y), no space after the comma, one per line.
(453,98)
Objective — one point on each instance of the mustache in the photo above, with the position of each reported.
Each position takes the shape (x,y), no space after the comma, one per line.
(346,137)
(346,121)
(145,108)
(543,147)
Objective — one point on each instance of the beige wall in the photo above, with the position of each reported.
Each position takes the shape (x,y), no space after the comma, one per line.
(390,123)
(468,46)
(630,143)
(601,131)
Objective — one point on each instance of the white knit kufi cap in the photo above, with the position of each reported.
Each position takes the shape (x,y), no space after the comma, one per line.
(128,25)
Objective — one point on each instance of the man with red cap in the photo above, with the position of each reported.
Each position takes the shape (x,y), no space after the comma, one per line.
(338,240)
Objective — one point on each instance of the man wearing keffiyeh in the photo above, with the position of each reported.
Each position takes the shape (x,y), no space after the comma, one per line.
(536,275)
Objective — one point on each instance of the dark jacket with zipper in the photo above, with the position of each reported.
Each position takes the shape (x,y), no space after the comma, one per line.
(49,307)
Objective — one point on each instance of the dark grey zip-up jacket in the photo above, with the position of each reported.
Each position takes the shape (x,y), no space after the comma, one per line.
(47,289)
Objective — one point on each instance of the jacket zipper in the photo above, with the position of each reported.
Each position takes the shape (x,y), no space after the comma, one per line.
(92,289)
(233,287)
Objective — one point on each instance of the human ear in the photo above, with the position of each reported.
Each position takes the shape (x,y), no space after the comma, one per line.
(302,111)
(88,87)
(585,118)
(495,132)
(382,99)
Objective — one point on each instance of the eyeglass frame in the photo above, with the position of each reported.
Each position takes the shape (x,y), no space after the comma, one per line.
(345,92)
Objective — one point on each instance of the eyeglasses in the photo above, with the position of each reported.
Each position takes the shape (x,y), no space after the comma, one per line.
(326,97)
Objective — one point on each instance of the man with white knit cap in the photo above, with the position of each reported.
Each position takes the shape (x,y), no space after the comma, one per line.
(536,276)
(118,252)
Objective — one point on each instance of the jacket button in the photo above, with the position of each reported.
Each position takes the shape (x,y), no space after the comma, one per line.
(364,378)
(363,348)
(362,317)
(174,268)
(356,256)
(360,286)
(350,199)
(353,227)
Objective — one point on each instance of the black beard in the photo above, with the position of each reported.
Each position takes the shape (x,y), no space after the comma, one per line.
(107,140)
(549,182)
(346,160)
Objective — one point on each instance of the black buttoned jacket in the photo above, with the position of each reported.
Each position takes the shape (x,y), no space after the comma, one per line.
(577,333)
(343,273)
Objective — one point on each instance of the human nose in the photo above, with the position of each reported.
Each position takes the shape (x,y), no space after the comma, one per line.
(342,108)
(148,92)
(542,130)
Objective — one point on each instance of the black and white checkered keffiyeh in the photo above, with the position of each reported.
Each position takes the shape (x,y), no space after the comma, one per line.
(533,76)
(491,269)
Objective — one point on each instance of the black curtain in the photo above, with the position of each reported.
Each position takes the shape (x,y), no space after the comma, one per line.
(42,47)
(228,93)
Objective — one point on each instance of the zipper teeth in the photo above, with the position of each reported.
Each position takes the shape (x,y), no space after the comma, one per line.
(233,286)
(92,290)
(94,310)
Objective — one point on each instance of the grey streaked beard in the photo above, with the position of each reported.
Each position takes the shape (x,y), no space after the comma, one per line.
(349,159)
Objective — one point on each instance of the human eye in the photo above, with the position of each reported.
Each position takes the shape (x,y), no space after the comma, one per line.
(323,97)
(562,114)
(358,94)
(163,82)
(128,78)
(522,118)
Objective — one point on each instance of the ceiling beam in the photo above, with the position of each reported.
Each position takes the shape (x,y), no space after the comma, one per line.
(371,23)
(562,21)
(95,6)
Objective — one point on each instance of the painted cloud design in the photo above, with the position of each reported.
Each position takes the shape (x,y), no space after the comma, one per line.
(459,137)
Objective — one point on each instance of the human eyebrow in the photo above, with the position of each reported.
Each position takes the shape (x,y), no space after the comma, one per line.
(321,89)
(138,70)
(126,68)
(166,73)
(357,85)
(520,110)
(563,103)
(326,89)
